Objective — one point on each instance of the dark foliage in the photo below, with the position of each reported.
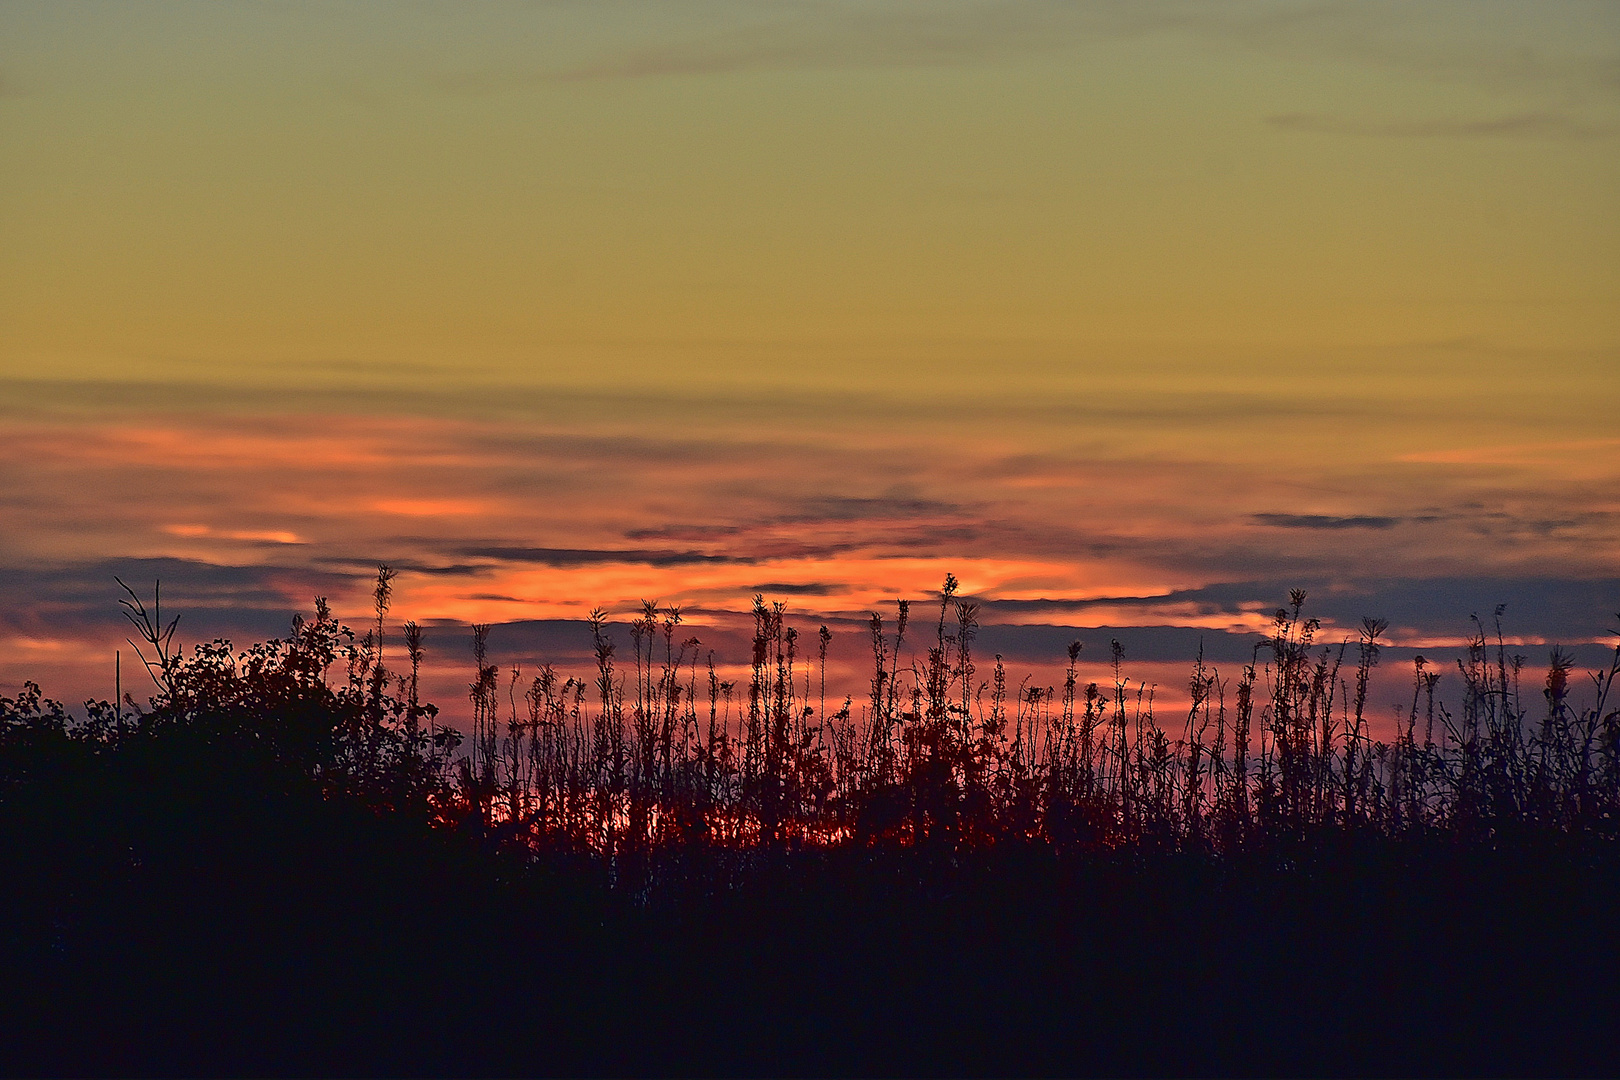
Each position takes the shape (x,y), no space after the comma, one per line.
(284,865)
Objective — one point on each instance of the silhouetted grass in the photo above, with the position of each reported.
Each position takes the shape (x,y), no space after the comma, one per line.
(286,864)
(660,757)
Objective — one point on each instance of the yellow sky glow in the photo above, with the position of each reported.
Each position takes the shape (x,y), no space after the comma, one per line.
(564,305)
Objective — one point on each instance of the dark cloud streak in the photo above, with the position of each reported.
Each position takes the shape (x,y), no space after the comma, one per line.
(1325,521)
(1531,125)
(1567,609)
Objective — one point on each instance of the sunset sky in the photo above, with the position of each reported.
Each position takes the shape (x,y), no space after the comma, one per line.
(1132,316)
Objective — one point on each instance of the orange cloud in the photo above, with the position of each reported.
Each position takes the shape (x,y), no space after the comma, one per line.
(271,536)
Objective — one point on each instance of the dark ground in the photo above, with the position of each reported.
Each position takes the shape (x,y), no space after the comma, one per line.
(175,911)
(400,957)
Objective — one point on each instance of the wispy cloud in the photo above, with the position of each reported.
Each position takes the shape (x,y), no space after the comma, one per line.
(840,35)
(1530,125)
(1498,45)
(250,536)
(847,508)
(575,513)
(598,556)
(1563,453)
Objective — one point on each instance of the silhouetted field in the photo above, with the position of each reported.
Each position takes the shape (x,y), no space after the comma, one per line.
(285,864)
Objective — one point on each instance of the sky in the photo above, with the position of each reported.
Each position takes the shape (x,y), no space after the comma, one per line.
(1133,316)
